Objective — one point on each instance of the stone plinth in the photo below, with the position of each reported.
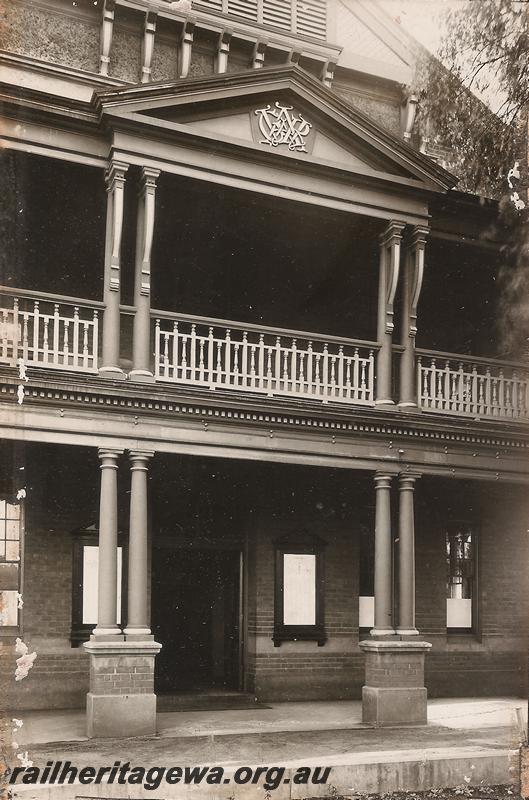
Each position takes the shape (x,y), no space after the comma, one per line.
(394,691)
(121,701)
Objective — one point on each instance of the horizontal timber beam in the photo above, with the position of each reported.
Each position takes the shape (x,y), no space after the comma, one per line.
(195,431)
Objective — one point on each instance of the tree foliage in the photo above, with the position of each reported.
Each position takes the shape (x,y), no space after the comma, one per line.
(484,53)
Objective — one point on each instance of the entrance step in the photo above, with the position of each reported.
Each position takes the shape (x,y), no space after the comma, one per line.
(207,700)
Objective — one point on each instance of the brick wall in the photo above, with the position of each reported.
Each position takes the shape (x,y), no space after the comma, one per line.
(62,495)
(330,505)
(129,674)
(62,488)
(493,658)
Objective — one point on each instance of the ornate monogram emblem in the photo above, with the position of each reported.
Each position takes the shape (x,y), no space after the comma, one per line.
(278,126)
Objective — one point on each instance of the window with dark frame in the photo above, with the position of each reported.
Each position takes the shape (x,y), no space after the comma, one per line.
(84,584)
(461,578)
(366,587)
(299,590)
(11,527)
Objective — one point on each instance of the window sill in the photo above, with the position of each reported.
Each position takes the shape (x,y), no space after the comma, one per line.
(300,633)
(463,641)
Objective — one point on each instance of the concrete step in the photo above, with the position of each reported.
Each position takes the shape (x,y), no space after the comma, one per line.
(207,700)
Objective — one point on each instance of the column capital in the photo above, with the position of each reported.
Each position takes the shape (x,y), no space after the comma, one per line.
(407,480)
(108,454)
(382,479)
(418,236)
(392,233)
(149,176)
(139,458)
(115,174)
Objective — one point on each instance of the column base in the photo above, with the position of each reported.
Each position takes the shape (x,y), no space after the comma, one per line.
(115,373)
(120,715)
(138,635)
(141,376)
(394,691)
(382,404)
(107,635)
(386,707)
(121,701)
(405,406)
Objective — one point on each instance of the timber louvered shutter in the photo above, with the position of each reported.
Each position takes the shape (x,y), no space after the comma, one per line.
(304,17)
(278,14)
(311,18)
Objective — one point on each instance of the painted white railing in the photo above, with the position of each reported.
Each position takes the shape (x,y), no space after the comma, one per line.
(472,387)
(217,354)
(46,331)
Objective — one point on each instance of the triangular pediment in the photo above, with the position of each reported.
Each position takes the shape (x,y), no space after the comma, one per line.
(284,112)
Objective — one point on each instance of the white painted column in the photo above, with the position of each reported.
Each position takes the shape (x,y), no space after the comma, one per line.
(413,270)
(383,557)
(141,335)
(138,618)
(387,286)
(108,546)
(406,626)
(115,180)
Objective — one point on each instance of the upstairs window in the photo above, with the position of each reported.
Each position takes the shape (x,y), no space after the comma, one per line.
(302,17)
(461,578)
(10,561)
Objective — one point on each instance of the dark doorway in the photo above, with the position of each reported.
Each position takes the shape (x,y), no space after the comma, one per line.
(195,614)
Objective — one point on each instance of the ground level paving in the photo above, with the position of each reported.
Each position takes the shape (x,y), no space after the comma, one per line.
(467,740)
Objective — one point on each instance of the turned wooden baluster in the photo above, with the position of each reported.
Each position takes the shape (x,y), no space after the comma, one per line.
(236,364)
(261,366)
(244,359)
(56,323)
(157,365)
(293,366)
(193,353)
(325,375)
(341,386)
(227,357)
(201,360)
(36,330)
(252,366)
(302,371)
(277,364)
(348,378)
(310,358)
(211,365)
(175,339)
(269,371)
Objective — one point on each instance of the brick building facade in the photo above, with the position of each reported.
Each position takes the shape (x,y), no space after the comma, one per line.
(210,488)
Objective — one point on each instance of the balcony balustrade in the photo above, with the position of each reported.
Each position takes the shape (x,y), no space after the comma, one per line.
(47,331)
(472,387)
(63,334)
(227,355)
